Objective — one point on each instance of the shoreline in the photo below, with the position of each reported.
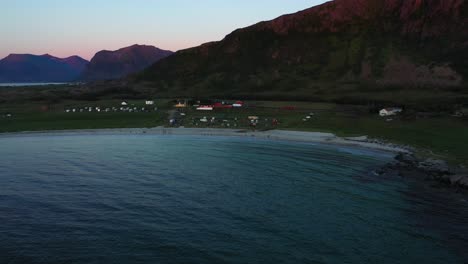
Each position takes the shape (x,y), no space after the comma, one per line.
(281,135)
(405,163)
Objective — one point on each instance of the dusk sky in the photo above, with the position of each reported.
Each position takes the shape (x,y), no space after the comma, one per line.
(83,27)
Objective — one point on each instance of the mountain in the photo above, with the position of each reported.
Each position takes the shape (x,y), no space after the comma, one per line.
(338,48)
(43,68)
(106,65)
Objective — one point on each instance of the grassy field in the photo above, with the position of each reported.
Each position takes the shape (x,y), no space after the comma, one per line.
(443,136)
(38,116)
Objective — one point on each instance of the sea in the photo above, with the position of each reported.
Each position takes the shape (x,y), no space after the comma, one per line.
(116,198)
(29,84)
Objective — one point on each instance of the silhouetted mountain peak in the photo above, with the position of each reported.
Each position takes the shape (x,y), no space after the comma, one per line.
(40,68)
(119,63)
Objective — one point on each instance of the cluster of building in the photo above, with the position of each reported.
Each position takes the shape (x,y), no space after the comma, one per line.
(253,121)
(124,107)
(213,121)
(111,109)
(208,105)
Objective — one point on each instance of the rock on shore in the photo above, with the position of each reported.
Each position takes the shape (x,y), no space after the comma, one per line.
(408,165)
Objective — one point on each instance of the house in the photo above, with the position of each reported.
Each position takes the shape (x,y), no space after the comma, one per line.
(181,104)
(390,111)
(124,103)
(222,106)
(238,104)
(149,102)
(205,108)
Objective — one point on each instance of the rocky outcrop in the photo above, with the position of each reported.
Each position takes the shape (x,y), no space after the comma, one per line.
(423,17)
(408,165)
(402,68)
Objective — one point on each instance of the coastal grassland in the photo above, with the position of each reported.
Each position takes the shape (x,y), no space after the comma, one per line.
(438,135)
(441,136)
(38,116)
(62,121)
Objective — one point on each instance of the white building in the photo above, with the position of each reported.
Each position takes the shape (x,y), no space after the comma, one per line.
(390,111)
(205,108)
(124,103)
(149,102)
(238,104)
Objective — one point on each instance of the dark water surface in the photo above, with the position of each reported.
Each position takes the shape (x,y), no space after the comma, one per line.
(188,199)
(28,84)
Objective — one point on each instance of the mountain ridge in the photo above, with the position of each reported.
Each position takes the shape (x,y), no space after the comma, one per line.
(116,64)
(40,68)
(390,42)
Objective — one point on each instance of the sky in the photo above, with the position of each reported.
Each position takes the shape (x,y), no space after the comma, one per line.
(83,27)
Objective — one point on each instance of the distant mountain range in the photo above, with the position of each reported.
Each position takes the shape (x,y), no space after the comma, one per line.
(26,68)
(336,45)
(104,65)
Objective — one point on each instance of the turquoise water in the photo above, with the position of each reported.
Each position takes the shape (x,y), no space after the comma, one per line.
(189,199)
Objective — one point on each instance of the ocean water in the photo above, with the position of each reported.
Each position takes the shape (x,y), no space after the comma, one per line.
(28,84)
(189,199)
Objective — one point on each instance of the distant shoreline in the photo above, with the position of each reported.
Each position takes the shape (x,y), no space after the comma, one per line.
(283,135)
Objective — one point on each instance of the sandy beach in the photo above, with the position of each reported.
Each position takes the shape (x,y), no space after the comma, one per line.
(285,135)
